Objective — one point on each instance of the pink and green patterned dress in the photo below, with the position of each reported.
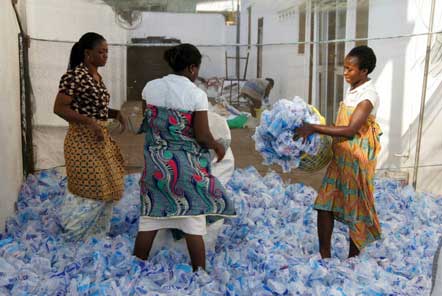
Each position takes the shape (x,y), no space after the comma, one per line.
(176,181)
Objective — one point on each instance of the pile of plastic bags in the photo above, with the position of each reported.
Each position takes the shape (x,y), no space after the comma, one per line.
(274,136)
(269,249)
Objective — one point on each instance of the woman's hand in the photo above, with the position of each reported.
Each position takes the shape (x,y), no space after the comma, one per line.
(220,151)
(122,121)
(97,130)
(304,131)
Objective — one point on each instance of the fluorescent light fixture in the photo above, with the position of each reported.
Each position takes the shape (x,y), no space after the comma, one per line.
(215,6)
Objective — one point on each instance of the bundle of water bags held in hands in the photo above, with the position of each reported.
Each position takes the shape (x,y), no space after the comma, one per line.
(276,139)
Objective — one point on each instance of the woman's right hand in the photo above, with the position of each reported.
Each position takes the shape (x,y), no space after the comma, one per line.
(62,107)
(220,151)
(97,130)
(305,130)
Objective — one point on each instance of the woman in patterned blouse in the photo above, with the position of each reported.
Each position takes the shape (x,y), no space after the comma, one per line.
(94,163)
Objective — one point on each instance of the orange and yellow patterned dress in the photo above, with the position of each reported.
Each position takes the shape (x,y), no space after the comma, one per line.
(348,186)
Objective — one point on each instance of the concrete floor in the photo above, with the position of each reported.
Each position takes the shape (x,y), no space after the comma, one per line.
(243,148)
(49,141)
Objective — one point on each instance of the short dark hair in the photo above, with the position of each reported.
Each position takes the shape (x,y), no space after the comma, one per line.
(87,41)
(271,81)
(366,57)
(182,56)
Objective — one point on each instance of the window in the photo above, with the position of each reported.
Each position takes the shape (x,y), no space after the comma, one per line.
(249,27)
(301,33)
(362,21)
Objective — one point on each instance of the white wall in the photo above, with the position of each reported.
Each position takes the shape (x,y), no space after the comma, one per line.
(430,172)
(399,80)
(10,127)
(68,20)
(282,63)
(198,29)
(398,76)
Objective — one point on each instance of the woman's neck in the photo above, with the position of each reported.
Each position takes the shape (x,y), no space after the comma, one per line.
(182,74)
(93,70)
(359,83)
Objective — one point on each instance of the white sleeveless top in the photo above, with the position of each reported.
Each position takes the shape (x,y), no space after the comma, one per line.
(366,91)
(175,92)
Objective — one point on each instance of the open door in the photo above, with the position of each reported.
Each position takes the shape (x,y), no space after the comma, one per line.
(331,24)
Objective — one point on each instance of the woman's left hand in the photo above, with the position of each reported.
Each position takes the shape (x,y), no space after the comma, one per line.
(304,131)
(122,121)
(220,151)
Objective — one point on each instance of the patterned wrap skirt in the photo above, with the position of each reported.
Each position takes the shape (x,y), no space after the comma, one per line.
(348,186)
(94,169)
(177,180)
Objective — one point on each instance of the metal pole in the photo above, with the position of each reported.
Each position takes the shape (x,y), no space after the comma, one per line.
(25,96)
(424,94)
(25,106)
(20,26)
(238,40)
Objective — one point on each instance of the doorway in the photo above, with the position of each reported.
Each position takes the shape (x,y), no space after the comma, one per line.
(259,47)
(331,24)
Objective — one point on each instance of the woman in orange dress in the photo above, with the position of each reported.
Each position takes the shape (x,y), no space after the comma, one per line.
(347,189)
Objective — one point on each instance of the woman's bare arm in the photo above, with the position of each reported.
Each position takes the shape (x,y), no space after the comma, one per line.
(203,135)
(62,107)
(358,118)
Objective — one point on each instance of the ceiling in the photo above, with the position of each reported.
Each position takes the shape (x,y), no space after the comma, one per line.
(178,6)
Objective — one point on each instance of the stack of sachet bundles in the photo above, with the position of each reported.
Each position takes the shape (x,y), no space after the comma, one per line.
(274,137)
